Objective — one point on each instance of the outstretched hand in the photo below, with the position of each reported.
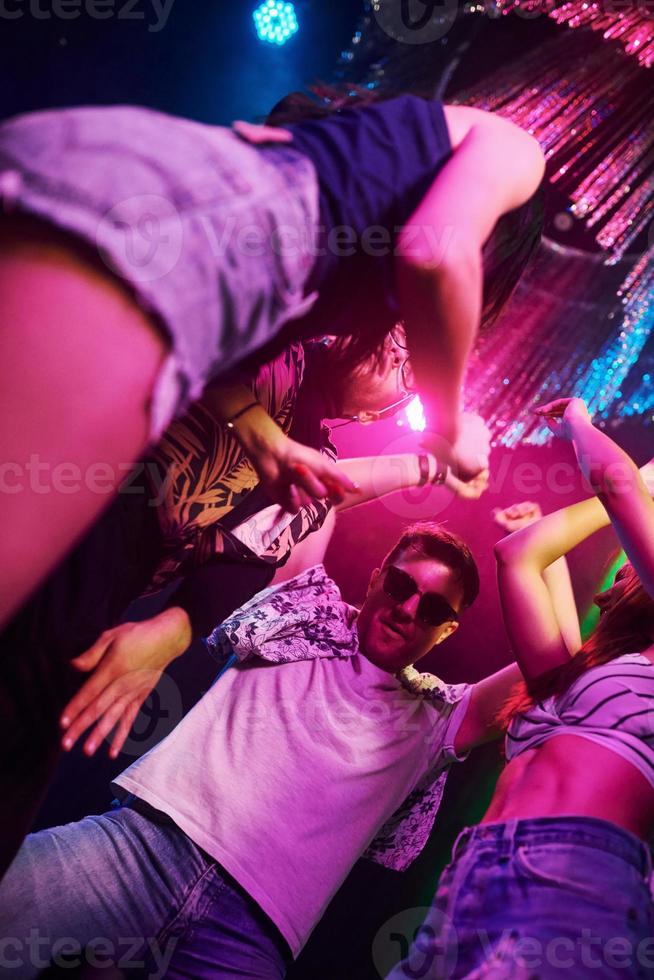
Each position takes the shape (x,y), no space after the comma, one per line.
(562,414)
(126,663)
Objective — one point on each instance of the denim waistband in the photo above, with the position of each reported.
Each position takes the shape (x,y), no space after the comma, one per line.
(589,831)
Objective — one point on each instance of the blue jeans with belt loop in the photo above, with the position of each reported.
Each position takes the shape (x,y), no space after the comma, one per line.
(129,889)
(539,899)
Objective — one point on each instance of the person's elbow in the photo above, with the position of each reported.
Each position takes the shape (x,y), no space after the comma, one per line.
(510,550)
(529,163)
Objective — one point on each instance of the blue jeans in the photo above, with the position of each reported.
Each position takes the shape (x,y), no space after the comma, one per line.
(539,899)
(133,891)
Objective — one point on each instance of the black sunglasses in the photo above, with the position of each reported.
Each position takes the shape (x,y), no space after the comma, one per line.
(433,609)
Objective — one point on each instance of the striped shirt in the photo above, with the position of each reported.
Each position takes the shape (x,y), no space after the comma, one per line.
(611,704)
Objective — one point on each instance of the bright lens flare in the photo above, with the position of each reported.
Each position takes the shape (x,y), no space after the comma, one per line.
(415,415)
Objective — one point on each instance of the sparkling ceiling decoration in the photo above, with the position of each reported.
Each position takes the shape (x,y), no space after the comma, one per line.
(582,320)
(631,24)
(567,330)
(591,112)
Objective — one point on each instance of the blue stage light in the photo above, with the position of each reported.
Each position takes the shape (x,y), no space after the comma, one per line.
(275,21)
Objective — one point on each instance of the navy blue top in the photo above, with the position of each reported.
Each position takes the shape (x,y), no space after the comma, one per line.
(374,164)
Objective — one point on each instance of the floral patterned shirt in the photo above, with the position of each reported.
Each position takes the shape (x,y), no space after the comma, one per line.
(209,499)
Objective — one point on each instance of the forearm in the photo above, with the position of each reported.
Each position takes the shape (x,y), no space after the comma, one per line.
(441,308)
(381,475)
(495,168)
(553,536)
(254,428)
(620,487)
(607,468)
(557,579)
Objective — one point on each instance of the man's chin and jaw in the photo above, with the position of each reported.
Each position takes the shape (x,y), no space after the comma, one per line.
(391,640)
(391,646)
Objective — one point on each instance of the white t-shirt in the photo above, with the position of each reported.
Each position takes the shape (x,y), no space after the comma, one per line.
(285,772)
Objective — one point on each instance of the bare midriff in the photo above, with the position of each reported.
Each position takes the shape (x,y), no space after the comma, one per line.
(570,776)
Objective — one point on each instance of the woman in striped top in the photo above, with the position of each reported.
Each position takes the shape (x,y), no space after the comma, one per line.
(555,880)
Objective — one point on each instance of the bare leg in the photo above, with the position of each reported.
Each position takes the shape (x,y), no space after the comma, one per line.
(78,363)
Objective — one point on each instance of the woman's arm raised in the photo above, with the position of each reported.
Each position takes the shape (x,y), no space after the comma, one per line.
(615,478)
(495,167)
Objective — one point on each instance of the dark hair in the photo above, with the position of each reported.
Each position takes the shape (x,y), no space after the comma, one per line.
(512,244)
(431,540)
(625,627)
(507,252)
(321,101)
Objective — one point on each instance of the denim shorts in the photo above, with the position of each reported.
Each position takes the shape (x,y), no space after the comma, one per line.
(539,899)
(213,236)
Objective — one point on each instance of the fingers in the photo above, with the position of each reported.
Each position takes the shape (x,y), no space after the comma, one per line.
(91,657)
(472,490)
(86,695)
(524,507)
(336,480)
(517,516)
(292,504)
(324,481)
(106,723)
(119,702)
(309,482)
(94,707)
(554,408)
(553,424)
(303,497)
(261,134)
(124,688)
(124,727)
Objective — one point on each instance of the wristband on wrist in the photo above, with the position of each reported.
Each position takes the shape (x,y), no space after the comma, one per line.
(442,469)
(423,466)
(229,423)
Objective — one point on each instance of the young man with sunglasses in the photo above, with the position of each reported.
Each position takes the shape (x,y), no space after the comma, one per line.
(238,829)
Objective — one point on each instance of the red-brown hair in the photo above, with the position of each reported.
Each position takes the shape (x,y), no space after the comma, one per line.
(626,627)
